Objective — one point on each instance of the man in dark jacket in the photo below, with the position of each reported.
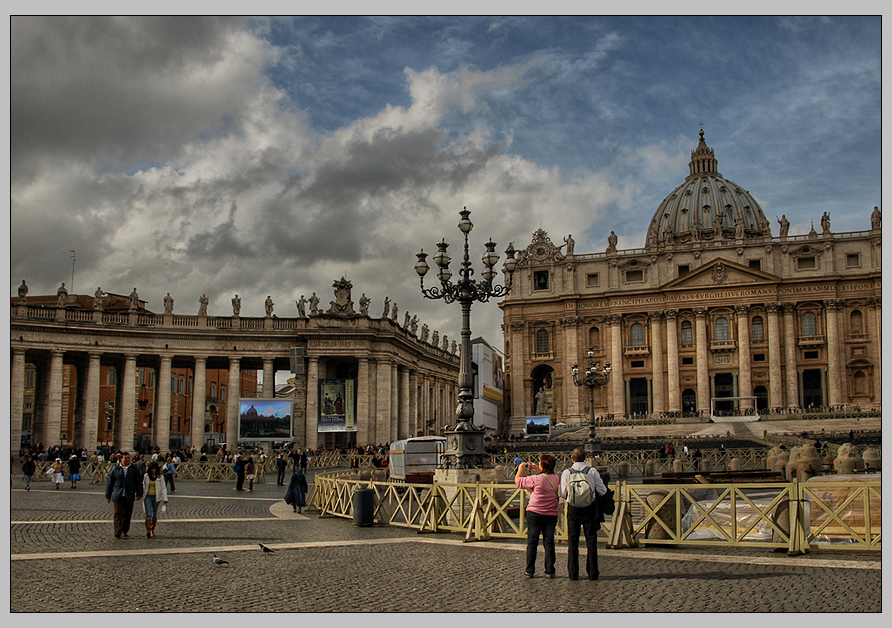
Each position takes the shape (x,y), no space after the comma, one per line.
(281,466)
(123,488)
(239,468)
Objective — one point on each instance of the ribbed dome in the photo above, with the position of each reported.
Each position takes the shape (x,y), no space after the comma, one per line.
(689,212)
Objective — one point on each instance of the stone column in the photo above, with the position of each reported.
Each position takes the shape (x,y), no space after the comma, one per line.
(744,356)
(54,400)
(834,349)
(91,403)
(672,360)
(312,420)
(394,418)
(656,352)
(17,401)
(517,373)
(874,329)
(404,430)
(127,384)
(362,402)
(382,427)
(161,431)
(790,344)
(775,390)
(232,403)
(617,381)
(413,403)
(571,356)
(702,360)
(269,378)
(199,387)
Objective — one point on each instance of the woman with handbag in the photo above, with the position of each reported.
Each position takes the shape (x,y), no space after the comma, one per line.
(154,490)
(542,510)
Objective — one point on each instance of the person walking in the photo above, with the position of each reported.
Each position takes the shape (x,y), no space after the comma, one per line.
(170,472)
(249,473)
(55,470)
(154,490)
(296,496)
(28,468)
(239,467)
(542,510)
(123,488)
(584,515)
(74,470)
(281,466)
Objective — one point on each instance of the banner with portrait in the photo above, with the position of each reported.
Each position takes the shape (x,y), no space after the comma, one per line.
(337,405)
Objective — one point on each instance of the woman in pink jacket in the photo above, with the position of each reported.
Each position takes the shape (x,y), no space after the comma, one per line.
(542,510)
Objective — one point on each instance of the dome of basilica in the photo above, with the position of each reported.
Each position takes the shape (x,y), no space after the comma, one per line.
(706,207)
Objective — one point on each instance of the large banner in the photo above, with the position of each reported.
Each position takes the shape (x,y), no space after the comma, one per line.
(337,405)
(264,418)
(489,384)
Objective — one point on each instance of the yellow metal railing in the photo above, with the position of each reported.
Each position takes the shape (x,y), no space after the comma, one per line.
(785,516)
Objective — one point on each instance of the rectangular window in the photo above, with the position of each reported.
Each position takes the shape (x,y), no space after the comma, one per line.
(683,269)
(687,361)
(592,280)
(540,280)
(853,260)
(634,276)
(223,393)
(811,355)
(29,379)
(687,335)
(758,357)
(112,377)
(807,263)
(756,264)
(637,364)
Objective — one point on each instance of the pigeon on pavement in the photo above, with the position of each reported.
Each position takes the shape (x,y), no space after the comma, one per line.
(220,561)
(265,549)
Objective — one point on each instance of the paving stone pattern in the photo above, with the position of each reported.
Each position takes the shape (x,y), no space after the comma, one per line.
(330,565)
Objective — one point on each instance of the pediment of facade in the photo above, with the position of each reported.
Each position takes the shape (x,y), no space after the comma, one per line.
(721,274)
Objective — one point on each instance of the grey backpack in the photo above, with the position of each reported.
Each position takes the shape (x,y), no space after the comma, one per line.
(579,491)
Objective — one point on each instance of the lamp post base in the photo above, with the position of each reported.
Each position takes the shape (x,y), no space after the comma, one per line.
(464,449)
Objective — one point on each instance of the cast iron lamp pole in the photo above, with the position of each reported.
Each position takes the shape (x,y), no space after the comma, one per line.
(594,377)
(464,444)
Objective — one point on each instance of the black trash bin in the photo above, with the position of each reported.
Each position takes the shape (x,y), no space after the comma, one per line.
(364,507)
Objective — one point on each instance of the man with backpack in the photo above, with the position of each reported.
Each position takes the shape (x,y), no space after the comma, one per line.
(580,484)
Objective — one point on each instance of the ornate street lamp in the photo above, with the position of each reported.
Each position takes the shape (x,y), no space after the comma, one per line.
(594,377)
(464,444)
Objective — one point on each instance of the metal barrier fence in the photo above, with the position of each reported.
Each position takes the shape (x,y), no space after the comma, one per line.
(784,516)
(192,470)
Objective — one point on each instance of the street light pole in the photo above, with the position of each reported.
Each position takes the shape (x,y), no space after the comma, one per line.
(594,377)
(464,444)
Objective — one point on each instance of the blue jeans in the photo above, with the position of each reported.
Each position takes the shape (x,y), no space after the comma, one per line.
(152,507)
(540,524)
(27,481)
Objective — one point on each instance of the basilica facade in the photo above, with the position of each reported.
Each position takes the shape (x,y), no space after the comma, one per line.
(716,315)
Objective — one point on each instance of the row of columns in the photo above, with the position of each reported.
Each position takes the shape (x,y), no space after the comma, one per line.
(783,385)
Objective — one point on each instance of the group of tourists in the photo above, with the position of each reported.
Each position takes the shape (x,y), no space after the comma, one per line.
(580,485)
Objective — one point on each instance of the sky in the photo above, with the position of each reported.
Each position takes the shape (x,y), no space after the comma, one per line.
(272,156)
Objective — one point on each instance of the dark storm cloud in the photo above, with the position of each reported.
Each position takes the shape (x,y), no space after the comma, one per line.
(119,92)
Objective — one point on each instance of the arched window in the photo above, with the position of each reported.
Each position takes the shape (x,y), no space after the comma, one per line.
(721,329)
(636,335)
(758,328)
(809,324)
(542,341)
(856,322)
(594,338)
(687,333)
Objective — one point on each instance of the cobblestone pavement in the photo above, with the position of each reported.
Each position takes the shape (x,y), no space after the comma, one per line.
(64,558)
